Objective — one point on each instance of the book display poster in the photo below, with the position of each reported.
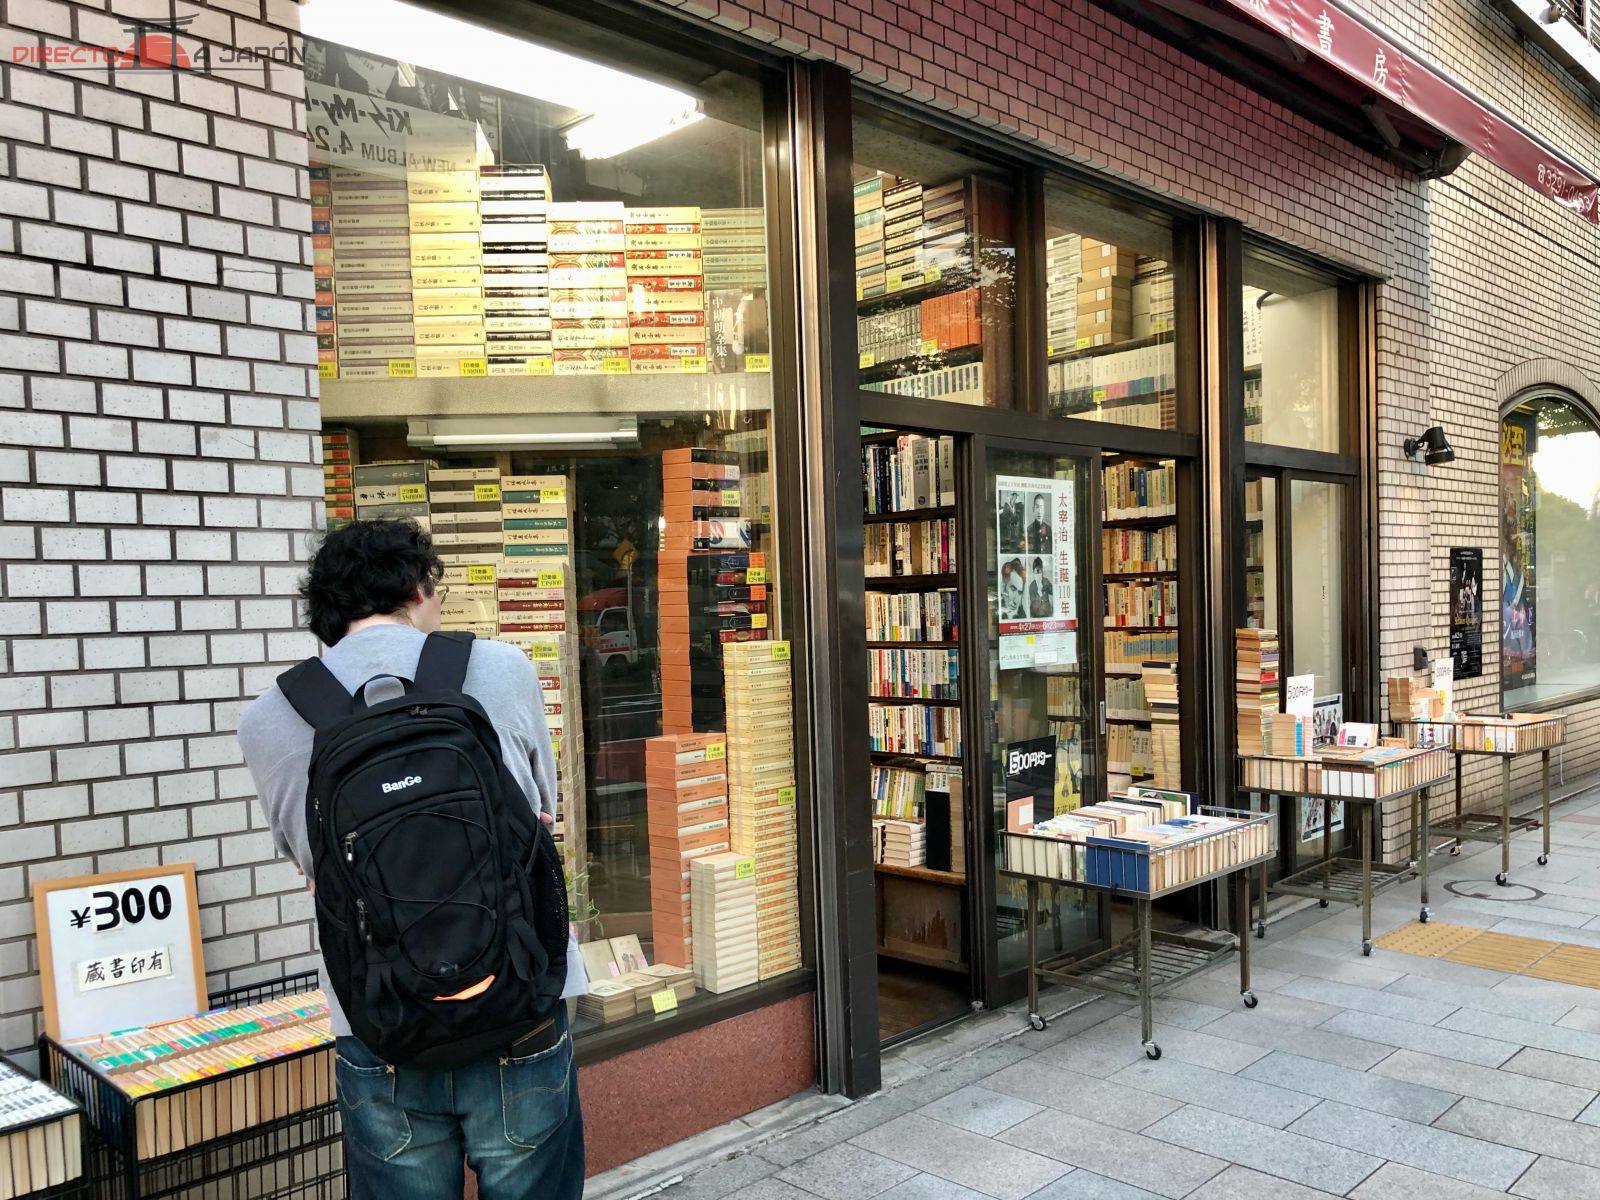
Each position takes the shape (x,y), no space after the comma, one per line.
(1466,611)
(1030,782)
(119,950)
(1327,714)
(1035,532)
(1519,502)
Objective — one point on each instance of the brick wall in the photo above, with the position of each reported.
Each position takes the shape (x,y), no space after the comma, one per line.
(158,467)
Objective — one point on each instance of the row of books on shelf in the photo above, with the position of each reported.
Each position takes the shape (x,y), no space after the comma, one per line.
(908,233)
(1111,377)
(926,547)
(1146,604)
(914,674)
(954,385)
(1064,696)
(1160,681)
(41,1136)
(898,792)
(952,321)
(1135,490)
(918,817)
(1514,733)
(932,616)
(914,729)
(1131,551)
(1347,771)
(912,472)
(1256,688)
(1125,698)
(1124,649)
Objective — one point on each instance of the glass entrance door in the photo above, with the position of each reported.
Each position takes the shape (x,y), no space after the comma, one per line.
(1039,662)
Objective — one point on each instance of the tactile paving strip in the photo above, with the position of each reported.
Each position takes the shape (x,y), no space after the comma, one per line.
(1427,941)
(1569,964)
(1501,952)
(1510,954)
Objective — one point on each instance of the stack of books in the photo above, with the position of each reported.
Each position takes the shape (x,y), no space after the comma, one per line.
(663,977)
(464,513)
(1412,700)
(1256,687)
(1153,298)
(723,889)
(536,516)
(686,797)
(41,1136)
(372,264)
(1063,267)
(392,491)
(899,843)
(1105,294)
(589,295)
(515,204)
(735,248)
(946,236)
(761,792)
(870,258)
(338,476)
(664,252)
(1516,733)
(1166,746)
(447,272)
(607,1000)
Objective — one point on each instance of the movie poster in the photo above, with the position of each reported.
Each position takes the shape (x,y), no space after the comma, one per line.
(1035,532)
(1518,506)
(1466,611)
(1327,714)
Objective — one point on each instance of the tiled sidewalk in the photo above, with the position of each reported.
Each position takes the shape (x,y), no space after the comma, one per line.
(1390,1076)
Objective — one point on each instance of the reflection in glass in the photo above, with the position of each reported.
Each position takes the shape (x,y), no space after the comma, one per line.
(1316,582)
(1291,356)
(1261,553)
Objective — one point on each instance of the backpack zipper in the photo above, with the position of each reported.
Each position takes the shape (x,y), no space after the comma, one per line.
(350,847)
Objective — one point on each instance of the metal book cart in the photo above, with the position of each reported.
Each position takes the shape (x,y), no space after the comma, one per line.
(269,1130)
(1467,736)
(1337,879)
(41,1156)
(1150,961)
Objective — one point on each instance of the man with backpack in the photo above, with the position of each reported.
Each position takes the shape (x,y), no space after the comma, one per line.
(409,774)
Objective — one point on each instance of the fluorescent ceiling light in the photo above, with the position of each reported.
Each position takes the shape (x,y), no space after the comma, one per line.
(405,33)
(519,439)
(532,430)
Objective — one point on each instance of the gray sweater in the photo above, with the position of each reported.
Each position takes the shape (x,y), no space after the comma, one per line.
(277,743)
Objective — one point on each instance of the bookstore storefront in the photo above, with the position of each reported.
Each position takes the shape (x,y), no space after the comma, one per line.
(855,487)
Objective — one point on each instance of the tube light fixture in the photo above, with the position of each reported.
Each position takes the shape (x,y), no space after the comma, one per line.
(532,430)
(623,110)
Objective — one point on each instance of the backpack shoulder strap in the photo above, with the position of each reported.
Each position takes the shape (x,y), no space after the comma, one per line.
(314,693)
(442,666)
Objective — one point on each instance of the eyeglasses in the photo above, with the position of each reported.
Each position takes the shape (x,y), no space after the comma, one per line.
(441,590)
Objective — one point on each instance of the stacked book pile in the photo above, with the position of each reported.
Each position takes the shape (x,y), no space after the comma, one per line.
(686,795)
(1256,687)
(514,200)
(899,843)
(41,1136)
(338,476)
(372,264)
(536,519)
(392,491)
(735,248)
(723,890)
(1166,746)
(204,1051)
(1105,294)
(447,272)
(871,274)
(607,1000)
(588,287)
(664,257)
(644,989)
(464,514)
(1153,298)
(1411,700)
(322,272)
(1348,772)
(1063,267)
(761,792)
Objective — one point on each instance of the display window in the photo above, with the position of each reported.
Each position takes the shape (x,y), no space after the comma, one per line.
(542,306)
(1291,356)
(1550,575)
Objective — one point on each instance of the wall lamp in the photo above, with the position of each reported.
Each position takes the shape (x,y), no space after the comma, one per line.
(1435,443)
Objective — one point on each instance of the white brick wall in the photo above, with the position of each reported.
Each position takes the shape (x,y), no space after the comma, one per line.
(150,429)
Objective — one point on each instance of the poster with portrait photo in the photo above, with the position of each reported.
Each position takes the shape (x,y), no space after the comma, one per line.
(1466,611)
(1035,523)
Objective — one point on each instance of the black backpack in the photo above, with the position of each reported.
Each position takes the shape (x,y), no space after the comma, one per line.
(432,872)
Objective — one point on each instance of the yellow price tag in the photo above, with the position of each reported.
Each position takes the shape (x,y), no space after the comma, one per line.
(780,652)
(486,491)
(868,360)
(758,620)
(1099,395)
(786,795)
(552,495)
(402,368)
(541,366)
(544,651)
(763,362)
(756,575)
(552,579)
(861,292)
(930,345)
(1049,350)
(693,363)
(1085,343)
(716,751)
(933,275)
(745,868)
(894,285)
(664,1001)
(474,368)
(614,366)
(410,493)
(729,498)
(327,370)
(481,574)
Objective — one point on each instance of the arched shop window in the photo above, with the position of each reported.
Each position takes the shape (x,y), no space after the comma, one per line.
(1550,551)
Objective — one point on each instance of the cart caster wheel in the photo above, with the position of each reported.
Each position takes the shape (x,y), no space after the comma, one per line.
(1544,860)
(1455,851)
(1152,1051)
(1261,931)
(1425,915)
(1250,1000)
(1322,904)
(1037,1022)
(1366,949)
(1503,879)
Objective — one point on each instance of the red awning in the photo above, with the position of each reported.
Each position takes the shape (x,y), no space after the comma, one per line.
(1375,60)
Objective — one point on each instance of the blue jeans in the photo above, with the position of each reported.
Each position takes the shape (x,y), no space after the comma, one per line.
(515,1120)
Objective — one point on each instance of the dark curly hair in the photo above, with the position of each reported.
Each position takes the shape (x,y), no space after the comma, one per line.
(364,569)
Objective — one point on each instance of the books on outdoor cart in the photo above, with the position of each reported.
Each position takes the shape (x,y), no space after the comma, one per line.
(1347,771)
(41,1142)
(1143,856)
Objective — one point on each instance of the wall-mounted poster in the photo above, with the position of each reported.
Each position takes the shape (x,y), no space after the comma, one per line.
(1466,611)
(1035,532)
(1519,504)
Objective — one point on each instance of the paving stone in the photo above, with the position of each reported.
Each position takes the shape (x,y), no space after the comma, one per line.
(1185,1045)
(1533,1132)
(864,1114)
(1532,929)
(1525,1033)
(1273,1151)
(1590,1115)
(1561,1068)
(1093,1053)
(846,1172)
(1386,1003)
(1586,1019)
(1241,1183)
(1129,1158)
(1553,1179)
(1042,1085)
(1232,1094)
(1360,971)
(1366,1089)
(1086,1185)
(930,1187)
(1554,919)
(1304,1013)
(1485,1083)
(1395,1181)
(1452,1042)
(767,1189)
(1523,1004)
(1415,1145)
(979,1110)
(730,1178)
(1320,1043)
(1188,1014)
(1006,1172)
